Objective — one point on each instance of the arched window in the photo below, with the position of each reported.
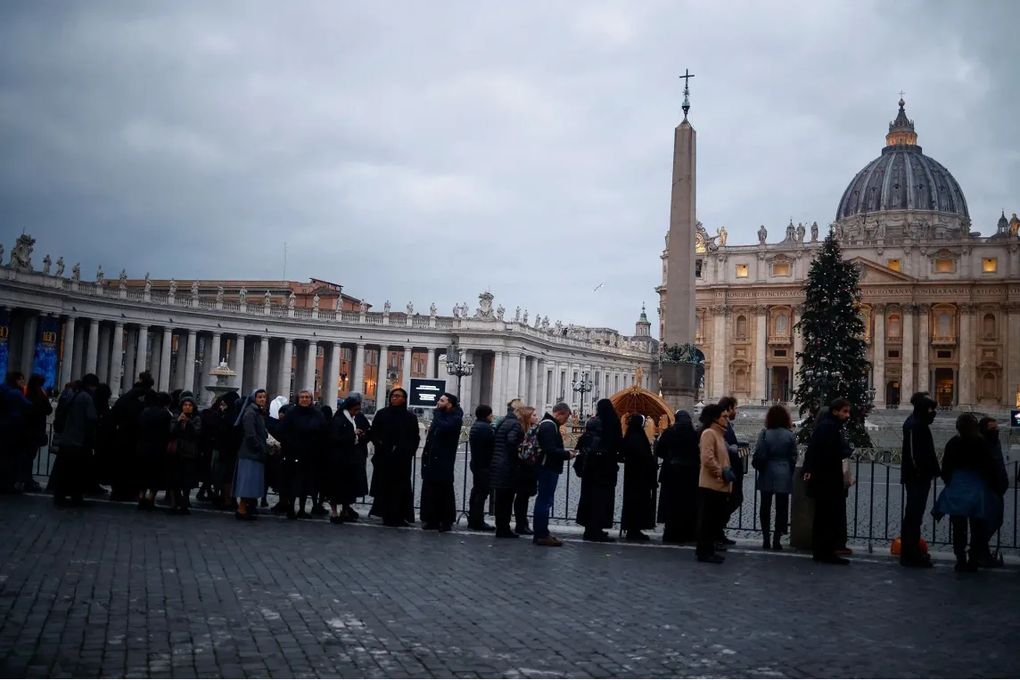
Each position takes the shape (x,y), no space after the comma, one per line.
(782,325)
(988,326)
(895,328)
(741,327)
(945,325)
(741,380)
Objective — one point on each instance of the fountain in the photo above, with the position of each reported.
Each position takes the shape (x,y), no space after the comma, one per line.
(224,377)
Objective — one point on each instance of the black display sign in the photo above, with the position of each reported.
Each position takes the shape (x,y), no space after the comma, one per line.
(425,393)
(1014,418)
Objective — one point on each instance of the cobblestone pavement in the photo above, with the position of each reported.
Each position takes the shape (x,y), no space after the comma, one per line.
(106,590)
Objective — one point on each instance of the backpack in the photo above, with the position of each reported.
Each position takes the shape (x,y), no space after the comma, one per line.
(529,453)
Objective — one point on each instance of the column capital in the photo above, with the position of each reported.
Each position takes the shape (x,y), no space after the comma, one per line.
(878,307)
(923,307)
(967,307)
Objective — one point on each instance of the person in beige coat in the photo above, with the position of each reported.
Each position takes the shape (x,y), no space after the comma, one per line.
(714,482)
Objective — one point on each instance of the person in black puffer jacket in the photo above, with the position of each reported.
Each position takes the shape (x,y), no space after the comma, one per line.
(919,467)
(482,440)
(503,469)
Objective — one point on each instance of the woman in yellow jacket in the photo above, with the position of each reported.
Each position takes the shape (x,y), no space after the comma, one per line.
(714,482)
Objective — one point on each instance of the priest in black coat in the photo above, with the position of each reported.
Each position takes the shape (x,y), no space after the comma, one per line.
(438,458)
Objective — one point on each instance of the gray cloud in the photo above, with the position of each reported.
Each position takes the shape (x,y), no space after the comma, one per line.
(426,151)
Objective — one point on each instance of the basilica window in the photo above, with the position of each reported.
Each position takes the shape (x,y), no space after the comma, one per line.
(741,380)
(742,271)
(989,386)
(989,265)
(894,327)
(741,327)
(782,325)
(988,327)
(781,269)
(945,265)
(894,264)
(944,326)
(697,269)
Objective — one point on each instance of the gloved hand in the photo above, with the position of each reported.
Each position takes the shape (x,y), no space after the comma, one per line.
(728,475)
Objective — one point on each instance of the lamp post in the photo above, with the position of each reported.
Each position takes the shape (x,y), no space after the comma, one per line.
(457,364)
(582,386)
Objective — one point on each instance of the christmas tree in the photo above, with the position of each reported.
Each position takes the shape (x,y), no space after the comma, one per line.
(833,363)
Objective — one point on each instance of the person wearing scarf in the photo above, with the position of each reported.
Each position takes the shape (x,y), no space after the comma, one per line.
(250,473)
(395,438)
(183,455)
(639,484)
(343,483)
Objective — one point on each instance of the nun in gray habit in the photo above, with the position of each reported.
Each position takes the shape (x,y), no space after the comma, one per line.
(250,473)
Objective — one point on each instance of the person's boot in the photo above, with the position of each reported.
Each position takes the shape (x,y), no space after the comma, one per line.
(523,529)
(765,536)
(776,545)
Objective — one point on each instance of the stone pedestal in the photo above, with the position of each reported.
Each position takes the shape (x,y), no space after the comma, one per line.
(679,385)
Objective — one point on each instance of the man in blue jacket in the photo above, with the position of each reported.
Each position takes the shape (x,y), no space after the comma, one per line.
(552,455)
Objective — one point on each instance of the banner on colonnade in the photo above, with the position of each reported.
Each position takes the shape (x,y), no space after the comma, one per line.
(44,362)
(5,333)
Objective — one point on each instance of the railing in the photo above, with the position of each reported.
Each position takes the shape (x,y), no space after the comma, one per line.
(874,503)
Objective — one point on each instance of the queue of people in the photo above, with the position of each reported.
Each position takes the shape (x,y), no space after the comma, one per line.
(233,452)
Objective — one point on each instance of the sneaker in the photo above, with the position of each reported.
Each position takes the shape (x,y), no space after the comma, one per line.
(711,559)
(549,541)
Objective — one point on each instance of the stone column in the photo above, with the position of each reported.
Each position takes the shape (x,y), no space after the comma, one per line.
(117,358)
(878,356)
(142,362)
(719,368)
(358,384)
(923,343)
(761,353)
(467,388)
(405,369)
(907,356)
(236,362)
(380,385)
(78,358)
(498,399)
(262,364)
(189,361)
(283,383)
(330,375)
(104,356)
(540,382)
(311,356)
(67,356)
(534,396)
(513,374)
(965,394)
(130,356)
(430,364)
(1012,372)
(28,343)
(163,379)
(212,358)
(91,349)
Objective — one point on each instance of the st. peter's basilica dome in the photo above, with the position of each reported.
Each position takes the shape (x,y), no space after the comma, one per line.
(904,179)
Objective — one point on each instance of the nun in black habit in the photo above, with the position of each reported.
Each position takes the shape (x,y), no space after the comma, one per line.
(678,447)
(639,485)
(395,438)
(600,447)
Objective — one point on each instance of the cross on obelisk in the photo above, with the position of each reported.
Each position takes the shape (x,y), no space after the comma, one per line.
(687,102)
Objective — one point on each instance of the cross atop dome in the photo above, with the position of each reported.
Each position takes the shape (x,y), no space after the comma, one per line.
(901,130)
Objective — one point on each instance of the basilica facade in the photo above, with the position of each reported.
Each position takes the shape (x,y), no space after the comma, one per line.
(941,301)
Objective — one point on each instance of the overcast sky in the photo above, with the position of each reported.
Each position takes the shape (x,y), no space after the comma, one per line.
(426,151)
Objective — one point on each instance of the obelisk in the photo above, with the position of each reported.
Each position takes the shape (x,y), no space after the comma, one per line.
(679,309)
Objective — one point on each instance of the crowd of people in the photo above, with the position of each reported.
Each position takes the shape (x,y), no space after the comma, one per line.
(234,451)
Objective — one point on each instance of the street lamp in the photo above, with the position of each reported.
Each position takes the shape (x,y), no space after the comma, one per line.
(582,386)
(457,364)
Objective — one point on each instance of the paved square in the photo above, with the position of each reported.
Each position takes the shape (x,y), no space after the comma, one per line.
(107,590)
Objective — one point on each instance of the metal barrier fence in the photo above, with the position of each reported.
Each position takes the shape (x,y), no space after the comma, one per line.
(874,503)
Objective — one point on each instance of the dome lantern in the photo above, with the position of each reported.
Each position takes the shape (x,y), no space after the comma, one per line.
(901,130)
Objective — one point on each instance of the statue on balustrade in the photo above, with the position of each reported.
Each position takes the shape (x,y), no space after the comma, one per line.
(46,263)
(21,254)
(122,280)
(100,276)
(148,282)
(814,231)
(524,319)
(76,272)
(172,292)
(386,308)
(410,309)
(242,295)
(60,266)
(219,295)
(500,311)
(433,310)
(291,299)
(763,234)
(194,289)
